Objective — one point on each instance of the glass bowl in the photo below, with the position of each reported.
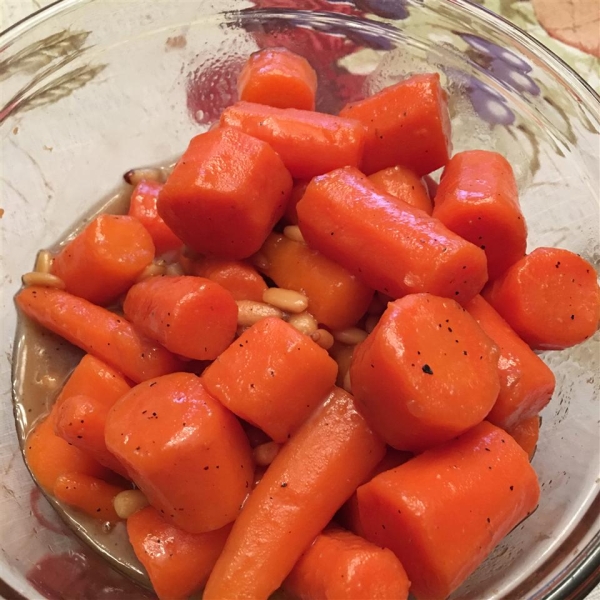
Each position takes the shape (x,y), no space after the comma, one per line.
(91,89)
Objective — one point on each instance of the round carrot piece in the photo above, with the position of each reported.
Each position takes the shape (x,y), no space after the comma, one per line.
(191,316)
(426,373)
(278,77)
(550,298)
(105,258)
(184,450)
(404,184)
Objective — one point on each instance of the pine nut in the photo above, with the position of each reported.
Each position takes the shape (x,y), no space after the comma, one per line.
(323,338)
(304,322)
(134,176)
(286,300)
(129,502)
(293,232)
(44,280)
(347,384)
(343,357)
(260,261)
(155,269)
(265,454)
(250,312)
(371,322)
(43,262)
(350,336)
(174,270)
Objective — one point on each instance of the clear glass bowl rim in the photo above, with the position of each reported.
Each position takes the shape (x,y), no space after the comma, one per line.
(581,574)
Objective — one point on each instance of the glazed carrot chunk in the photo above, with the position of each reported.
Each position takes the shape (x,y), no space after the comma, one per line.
(278,77)
(309,143)
(343,566)
(550,298)
(178,563)
(426,373)
(336,298)
(220,210)
(142,206)
(403,184)
(407,124)
(526,433)
(308,481)
(187,453)
(478,199)
(291,216)
(191,316)
(272,376)
(105,258)
(444,511)
(389,245)
(526,382)
(97,331)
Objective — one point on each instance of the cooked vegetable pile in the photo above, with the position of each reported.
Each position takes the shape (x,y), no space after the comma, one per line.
(308,366)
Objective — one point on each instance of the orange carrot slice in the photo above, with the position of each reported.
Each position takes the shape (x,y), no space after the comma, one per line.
(403,184)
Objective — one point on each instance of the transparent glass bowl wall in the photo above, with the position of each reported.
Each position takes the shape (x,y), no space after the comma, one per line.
(91,89)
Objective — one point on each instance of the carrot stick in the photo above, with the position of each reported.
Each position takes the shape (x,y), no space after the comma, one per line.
(407,124)
(142,206)
(191,316)
(526,433)
(550,298)
(272,376)
(344,566)
(240,279)
(342,215)
(178,563)
(278,77)
(311,477)
(291,216)
(187,453)
(89,494)
(105,258)
(426,373)
(309,143)
(526,382)
(444,511)
(227,212)
(336,298)
(403,184)
(97,331)
(478,199)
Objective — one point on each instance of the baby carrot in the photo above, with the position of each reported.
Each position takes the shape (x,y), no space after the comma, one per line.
(272,376)
(186,452)
(444,511)
(407,124)
(227,212)
(478,199)
(89,494)
(191,316)
(526,382)
(291,216)
(550,298)
(309,143)
(403,184)
(178,563)
(105,258)
(426,373)
(278,77)
(142,206)
(389,245)
(307,482)
(336,298)
(526,433)
(343,566)
(97,331)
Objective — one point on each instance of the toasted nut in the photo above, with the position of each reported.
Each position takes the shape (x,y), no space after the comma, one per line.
(350,336)
(43,279)
(260,261)
(250,312)
(174,270)
(304,322)
(323,338)
(134,176)
(293,233)
(43,262)
(343,357)
(286,300)
(265,454)
(371,322)
(347,384)
(128,502)
(154,269)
